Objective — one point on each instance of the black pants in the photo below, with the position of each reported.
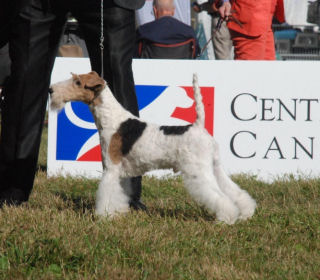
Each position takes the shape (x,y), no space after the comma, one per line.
(33,46)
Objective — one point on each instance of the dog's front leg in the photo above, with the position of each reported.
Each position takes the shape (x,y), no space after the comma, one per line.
(111,198)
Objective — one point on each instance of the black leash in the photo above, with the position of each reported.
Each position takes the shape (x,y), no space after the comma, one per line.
(101,38)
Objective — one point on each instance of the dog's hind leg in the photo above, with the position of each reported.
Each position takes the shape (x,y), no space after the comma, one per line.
(205,190)
(111,197)
(241,198)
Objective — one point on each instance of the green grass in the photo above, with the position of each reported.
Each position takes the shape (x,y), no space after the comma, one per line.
(57,236)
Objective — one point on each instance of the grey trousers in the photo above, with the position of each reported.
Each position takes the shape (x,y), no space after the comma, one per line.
(221,40)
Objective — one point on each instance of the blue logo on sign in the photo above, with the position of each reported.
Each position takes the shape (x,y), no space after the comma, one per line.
(77,136)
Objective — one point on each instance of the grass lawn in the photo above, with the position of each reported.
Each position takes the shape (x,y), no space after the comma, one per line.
(57,236)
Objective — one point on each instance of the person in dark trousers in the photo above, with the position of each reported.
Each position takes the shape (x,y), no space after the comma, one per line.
(33,29)
(5,65)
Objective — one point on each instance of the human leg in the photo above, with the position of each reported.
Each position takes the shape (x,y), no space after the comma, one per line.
(248,47)
(254,48)
(119,39)
(221,40)
(270,52)
(32,46)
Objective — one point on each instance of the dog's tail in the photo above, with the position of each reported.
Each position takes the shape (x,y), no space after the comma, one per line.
(198,100)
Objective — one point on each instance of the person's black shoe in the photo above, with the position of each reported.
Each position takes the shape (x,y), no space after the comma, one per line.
(137,205)
(12,197)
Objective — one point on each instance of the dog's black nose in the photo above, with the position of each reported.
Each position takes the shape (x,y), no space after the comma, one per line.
(50,90)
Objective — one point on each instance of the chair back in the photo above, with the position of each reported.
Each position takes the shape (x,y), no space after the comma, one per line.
(183,50)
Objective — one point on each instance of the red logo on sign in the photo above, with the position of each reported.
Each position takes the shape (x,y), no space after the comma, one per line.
(189,114)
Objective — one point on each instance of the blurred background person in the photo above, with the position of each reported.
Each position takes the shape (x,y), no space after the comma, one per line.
(250,24)
(221,39)
(168,31)
(182,12)
(33,29)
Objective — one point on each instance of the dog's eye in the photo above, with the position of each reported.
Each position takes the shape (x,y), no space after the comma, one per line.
(78,83)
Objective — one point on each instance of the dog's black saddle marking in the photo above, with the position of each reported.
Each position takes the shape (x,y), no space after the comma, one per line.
(175,129)
(130,132)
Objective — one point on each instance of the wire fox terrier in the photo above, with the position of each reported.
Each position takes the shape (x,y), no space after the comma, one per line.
(130,147)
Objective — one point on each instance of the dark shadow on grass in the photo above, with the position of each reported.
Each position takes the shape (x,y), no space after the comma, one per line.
(77,203)
(184,214)
(84,205)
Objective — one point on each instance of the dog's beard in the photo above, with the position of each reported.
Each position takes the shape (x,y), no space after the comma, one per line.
(56,103)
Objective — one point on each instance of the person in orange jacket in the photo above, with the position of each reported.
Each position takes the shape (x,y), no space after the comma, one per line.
(250,23)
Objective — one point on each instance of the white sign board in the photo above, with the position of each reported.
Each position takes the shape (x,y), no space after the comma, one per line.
(265,114)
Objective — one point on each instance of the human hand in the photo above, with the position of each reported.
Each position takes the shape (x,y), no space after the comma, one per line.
(225,10)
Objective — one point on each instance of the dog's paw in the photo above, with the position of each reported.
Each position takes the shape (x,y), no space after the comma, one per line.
(228,212)
(247,206)
(110,211)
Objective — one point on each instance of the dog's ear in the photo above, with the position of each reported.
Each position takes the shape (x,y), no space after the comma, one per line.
(74,76)
(76,79)
(94,73)
(92,81)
